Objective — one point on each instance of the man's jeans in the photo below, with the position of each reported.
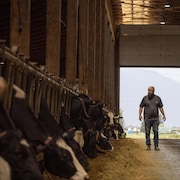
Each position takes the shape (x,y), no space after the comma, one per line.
(154,124)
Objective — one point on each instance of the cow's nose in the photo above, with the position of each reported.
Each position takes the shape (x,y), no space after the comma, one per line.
(86,177)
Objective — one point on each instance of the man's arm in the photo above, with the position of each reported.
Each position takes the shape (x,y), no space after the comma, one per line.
(140,113)
(162,112)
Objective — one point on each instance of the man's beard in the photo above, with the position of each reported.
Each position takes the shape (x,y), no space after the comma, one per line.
(150,96)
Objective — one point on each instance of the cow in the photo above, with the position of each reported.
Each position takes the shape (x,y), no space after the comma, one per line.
(81,120)
(16,156)
(79,106)
(118,131)
(114,128)
(64,129)
(16,151)
(58,158)
(96,114)
(88,115)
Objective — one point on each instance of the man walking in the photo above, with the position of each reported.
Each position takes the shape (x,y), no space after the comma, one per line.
(151,105)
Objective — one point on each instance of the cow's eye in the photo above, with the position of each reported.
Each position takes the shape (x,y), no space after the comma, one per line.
(17,151)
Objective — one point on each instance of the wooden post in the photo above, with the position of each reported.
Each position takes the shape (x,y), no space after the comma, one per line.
(97,85)
(53,36)
(92,47)
(102,27)
(20,25)
(106,53)
(83,43)
(117,72)
(72,40)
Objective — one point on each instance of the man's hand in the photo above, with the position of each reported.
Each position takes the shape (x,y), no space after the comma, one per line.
(163,114)
(164,117)
(140,117)
(140,112)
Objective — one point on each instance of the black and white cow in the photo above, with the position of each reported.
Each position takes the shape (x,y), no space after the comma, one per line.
(88,115)
(65,129)
(17,161)
(114,128)
(17,153)
(81,120)
(59,157)
(97,116)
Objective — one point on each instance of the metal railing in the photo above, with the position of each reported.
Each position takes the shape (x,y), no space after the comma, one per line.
(35,82)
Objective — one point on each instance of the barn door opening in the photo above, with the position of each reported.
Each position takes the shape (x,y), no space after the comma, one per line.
(134,83)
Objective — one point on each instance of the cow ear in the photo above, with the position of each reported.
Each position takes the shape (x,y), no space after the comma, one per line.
(103,105)
(93,102)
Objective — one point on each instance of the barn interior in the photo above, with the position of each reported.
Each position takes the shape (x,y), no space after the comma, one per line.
(62,48)
(84,42)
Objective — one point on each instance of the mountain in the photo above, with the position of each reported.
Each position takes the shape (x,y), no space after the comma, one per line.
(133,87)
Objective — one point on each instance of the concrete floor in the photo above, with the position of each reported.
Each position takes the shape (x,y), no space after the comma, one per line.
(167,160)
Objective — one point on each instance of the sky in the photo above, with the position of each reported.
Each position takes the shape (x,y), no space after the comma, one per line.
(133,87)
(172,73)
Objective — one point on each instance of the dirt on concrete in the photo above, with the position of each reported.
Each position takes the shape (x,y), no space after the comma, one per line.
(128,161)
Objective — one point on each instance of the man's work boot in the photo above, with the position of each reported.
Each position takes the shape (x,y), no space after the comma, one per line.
(148,148)
(156,148)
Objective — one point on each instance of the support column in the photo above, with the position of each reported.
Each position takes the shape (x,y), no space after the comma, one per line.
(20,25)
(117,72)
(83,43)
(53,36)
(102,27)
(92,47)
(72,40)
(97,89)
(108,65)
(112,76)
(105,59)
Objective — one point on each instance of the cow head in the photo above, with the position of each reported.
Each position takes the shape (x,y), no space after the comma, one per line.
(90,143)
(104,144)
(16,152)
(79,106)
(70,135)
(95,110)
(58,161)
(80,174)
(111,118)
(96,114)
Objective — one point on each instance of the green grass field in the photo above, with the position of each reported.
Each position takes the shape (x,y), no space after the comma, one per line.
(161,136)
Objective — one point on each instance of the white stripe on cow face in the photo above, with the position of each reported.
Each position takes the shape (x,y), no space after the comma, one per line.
(78,137)
(111,116)
(81,174)
(5,172)
(19,92)
(102,135)
(116,134)
(23,142)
